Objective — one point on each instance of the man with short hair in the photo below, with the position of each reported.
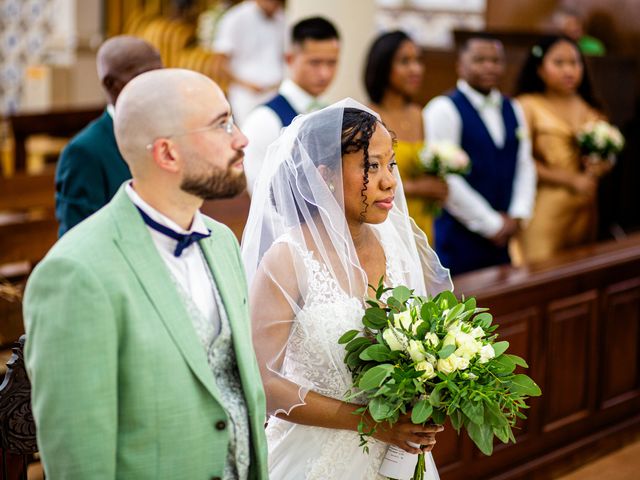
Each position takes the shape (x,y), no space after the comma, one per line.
(90,169)
(138,344)
(312,59)
(250,36)
(484,207)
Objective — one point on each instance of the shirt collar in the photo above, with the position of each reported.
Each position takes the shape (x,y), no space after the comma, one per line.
(197,225)
(479,100)
(300,100)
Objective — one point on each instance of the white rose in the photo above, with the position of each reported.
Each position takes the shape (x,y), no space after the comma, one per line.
(447,365)
(461,363)
(403,320)
(416,351)
(432,339)
(486,353)
(431,358)
(477,332)
(427,367)
(449,339)
(463,338)
(395,339)
(468,350)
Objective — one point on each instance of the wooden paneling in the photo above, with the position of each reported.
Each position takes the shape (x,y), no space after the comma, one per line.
(620,347)
(571,324)
(576,320)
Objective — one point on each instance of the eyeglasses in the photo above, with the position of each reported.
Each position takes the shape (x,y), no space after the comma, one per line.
(226,126)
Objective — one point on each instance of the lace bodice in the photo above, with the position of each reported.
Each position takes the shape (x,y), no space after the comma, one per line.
(314,359)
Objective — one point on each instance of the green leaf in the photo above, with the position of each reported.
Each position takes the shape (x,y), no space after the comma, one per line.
(523,385)
(401,293)
(438,416)
(493,416)
(375,376)
(470,304)
(446,299)
(446,351)
(454,312)
(474,410)
(482,436)
(353,360)
(518,360)
(421,412)
(434,397)
(379,353)
(484,319)
(356,343)
(502,433)
(395,304)
(503,364)
(375,318)
(428,312)
(380,409)
(422,329)
(372,303)
(456,420)
(348,336)
(500,347)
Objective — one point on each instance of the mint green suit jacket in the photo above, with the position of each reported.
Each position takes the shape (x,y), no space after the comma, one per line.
(121,384)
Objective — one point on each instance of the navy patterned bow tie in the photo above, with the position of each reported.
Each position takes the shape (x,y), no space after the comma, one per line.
(184,240)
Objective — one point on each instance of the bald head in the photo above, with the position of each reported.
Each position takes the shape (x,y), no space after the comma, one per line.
(120,59)
(162,103)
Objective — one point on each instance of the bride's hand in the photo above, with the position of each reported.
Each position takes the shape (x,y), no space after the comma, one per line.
(405,431)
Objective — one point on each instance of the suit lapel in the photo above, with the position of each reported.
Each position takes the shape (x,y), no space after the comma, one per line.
(136,245)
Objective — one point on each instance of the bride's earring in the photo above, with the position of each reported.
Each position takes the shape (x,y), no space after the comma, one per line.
(332,188)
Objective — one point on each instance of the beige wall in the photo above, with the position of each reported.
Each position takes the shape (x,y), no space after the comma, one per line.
(355,22)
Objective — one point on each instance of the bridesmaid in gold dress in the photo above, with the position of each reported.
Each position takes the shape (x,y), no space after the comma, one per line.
(555,93)
(393,76)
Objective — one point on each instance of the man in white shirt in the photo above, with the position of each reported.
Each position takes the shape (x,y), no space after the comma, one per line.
(312,60)
(251,37)
(484,208)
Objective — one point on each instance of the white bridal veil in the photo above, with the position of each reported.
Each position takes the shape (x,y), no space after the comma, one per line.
(306,282)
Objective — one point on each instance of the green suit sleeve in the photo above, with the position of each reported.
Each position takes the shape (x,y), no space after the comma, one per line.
(71,356)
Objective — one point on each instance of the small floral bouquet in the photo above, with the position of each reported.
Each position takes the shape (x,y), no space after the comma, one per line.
(435,358)
(600,141)
(441,159)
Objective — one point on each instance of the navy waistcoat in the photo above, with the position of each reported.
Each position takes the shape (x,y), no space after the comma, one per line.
(492,173)
(283,109)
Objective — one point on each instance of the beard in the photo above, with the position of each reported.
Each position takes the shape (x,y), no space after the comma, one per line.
(217,183)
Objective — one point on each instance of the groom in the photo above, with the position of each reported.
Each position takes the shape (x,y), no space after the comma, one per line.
(138,341)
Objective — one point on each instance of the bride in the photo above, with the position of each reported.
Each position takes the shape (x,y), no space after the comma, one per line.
(328,217)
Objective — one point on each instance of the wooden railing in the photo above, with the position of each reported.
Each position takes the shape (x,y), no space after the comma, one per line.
(576,320)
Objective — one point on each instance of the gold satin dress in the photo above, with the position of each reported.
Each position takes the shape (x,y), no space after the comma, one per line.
(408,160)
(561,218)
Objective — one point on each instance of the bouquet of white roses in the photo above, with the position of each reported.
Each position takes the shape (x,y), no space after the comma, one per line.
(600,140)
(435,358)
(443,158)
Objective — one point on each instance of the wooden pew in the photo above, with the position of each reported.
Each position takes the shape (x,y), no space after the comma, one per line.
(23,192)
(576,320)
(54,123)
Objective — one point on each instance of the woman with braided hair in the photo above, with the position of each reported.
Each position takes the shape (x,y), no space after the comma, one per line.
(328,217)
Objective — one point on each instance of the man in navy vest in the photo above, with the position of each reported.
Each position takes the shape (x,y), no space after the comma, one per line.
(486,206)
(312,59)
(90,169)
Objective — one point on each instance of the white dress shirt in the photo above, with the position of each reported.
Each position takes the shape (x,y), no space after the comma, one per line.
(442,122)
(190,269)
(263,127)
(254,44)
